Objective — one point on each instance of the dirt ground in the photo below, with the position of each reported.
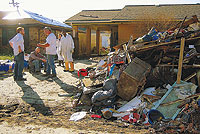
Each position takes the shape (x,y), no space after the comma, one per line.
(44,105)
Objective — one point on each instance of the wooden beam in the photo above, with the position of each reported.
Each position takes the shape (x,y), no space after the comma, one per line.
(97,40)
(88,41)
(180,64)
(76,40)
(151,45)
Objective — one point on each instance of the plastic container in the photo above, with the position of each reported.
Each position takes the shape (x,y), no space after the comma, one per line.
(82,72)
(154,115)
(95,116)
(107,113)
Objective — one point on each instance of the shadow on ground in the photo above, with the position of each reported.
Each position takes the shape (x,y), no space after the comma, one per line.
(4,75)
(32,98)
(67,88)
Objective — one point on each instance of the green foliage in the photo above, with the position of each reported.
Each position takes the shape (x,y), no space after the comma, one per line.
(6,57)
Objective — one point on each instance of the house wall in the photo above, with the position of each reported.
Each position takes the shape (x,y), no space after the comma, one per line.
(36,35)
(93,43)
(140,28)
(82,43)
(127,30)
(33,36)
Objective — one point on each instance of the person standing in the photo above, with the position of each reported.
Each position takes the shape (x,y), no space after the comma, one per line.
(60,57)
(67,48)
(17,43)
(50,46)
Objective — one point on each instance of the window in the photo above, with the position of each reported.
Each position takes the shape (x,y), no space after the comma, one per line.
(8,33)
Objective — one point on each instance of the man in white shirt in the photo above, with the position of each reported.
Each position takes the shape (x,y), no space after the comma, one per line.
(67,48)
(50,46)
(17,43)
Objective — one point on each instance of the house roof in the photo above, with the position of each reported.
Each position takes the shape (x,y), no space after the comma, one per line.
(137,12)
(94,16)
(3,14)
(23,14)
(173,11)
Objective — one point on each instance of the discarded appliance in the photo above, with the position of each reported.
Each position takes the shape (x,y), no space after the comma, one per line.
(133,79)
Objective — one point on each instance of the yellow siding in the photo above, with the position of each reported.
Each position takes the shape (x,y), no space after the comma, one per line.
(93,43)
(82,43)
(126,30)
(33,37)
(42,36)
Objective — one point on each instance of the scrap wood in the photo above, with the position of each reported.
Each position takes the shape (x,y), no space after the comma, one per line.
(91,82)
(120,46)
(190,76)
(180,64)
(184,66)
(180,26)
(150,98)
(194,19)
(173,42)
(180,100)
(75,103)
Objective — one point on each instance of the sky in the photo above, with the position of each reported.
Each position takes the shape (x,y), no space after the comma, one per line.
(61,10)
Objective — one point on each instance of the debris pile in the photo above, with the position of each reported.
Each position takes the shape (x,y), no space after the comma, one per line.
(149,81)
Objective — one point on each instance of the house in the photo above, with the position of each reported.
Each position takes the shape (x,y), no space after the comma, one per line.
(93,24)
(132,20)
(33,24)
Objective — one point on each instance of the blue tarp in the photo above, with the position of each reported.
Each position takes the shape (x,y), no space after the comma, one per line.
(46,20)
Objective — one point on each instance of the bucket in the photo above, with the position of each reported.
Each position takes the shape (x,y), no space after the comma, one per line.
(82,72)
(107,113)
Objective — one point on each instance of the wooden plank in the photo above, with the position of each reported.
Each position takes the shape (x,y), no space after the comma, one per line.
(184,66)
(90,82)
(180,100)
(76,40)
(180,64)
(150,45)
(97,40)
(194,19)
(180,26)
(88,40)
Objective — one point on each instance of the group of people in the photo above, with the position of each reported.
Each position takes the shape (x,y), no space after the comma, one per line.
(63,47)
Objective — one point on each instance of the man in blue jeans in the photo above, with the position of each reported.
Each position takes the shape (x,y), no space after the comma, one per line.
(35,60)
(50,46)
(17,43)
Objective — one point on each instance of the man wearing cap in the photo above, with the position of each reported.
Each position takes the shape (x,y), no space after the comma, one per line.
(50,46)
(17,43)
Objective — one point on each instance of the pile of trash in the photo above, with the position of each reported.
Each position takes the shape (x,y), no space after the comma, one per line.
(152,81)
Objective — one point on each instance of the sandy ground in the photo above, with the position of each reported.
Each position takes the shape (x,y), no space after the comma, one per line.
(44,106)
